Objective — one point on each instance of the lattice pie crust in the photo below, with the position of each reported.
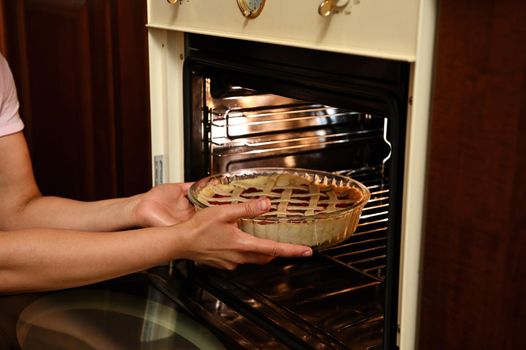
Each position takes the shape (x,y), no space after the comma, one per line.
(298,208)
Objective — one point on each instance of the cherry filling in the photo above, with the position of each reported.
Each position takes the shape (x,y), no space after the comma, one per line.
(347,196)
(248,191)
(217,202)
(298,212)
(266,222)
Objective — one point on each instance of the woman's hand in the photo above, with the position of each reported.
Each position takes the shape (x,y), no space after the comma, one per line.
(164,205)
(215,240)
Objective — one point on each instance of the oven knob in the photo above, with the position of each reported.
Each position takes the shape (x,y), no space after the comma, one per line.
(173,2)
(251,8)
(327,7)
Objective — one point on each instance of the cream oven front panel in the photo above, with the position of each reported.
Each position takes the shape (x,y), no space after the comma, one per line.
(399,30)
(379,28)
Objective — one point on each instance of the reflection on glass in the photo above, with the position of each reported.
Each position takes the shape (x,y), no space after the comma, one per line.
(95,319)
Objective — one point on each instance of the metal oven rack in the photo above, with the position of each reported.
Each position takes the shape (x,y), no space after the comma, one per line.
(269,130)
(366,249)
(333,300)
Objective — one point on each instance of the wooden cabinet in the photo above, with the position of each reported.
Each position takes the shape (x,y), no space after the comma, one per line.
(474,272)
(82,77)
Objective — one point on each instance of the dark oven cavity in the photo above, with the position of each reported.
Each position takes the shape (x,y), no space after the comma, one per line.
(253,105)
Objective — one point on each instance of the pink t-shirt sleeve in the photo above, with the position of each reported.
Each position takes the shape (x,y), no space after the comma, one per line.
(10,121)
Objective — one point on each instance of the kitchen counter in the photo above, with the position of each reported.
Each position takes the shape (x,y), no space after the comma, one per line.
(125,313)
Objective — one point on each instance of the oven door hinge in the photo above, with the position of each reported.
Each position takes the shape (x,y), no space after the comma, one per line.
(159,169)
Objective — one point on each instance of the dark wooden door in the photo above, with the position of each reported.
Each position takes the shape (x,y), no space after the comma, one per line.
(474,269)
(82,77)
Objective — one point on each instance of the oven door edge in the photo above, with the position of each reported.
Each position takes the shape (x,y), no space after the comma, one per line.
(418,117)
(166,58)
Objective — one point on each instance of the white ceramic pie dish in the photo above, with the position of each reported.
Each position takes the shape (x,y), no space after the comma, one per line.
(321,209)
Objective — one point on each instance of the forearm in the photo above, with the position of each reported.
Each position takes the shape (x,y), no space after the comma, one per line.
(45,259)
(56,212)
(22,205)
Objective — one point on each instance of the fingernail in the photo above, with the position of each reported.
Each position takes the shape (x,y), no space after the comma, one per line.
(307,253)
(263,204)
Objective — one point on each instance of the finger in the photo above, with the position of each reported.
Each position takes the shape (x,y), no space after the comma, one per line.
(186,185)
(275,249)
(224,265)
(254,258)
(239,258)
(250,209)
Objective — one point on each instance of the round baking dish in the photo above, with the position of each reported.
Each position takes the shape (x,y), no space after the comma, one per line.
(318,228)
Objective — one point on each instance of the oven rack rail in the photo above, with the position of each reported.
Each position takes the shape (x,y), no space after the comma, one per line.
(249,123)
(290,113)
(366,249)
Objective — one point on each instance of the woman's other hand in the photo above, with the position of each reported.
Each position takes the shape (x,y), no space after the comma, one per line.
(164,205)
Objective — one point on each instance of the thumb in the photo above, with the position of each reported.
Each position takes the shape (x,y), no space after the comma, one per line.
(185,186)
(248,209)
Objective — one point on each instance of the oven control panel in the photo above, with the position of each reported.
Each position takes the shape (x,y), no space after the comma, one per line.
(380,28)
(252,8)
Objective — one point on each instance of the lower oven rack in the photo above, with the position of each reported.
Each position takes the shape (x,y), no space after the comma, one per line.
(333,300)
(366,249)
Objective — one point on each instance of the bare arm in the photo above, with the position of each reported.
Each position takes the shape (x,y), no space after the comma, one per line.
(44,259)
(22,205)
(64,253)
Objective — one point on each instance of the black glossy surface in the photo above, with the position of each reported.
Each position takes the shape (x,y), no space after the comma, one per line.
(126,313)
(315,300)
(374,87)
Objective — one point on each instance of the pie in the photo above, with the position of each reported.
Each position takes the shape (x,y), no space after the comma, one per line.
(308,210)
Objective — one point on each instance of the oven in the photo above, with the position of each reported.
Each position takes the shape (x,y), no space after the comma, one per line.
(339,86)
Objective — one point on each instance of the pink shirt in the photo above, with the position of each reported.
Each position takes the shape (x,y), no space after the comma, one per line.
(10,121)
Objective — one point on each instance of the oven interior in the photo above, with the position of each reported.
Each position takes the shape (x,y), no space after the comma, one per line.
(257,105)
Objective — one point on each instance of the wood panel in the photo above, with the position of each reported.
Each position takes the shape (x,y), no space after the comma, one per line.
(474,274)
(3,39)
(63,102)
(81,69)
(132,103)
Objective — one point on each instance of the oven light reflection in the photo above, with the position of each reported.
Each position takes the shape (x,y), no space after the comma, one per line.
(290,161)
